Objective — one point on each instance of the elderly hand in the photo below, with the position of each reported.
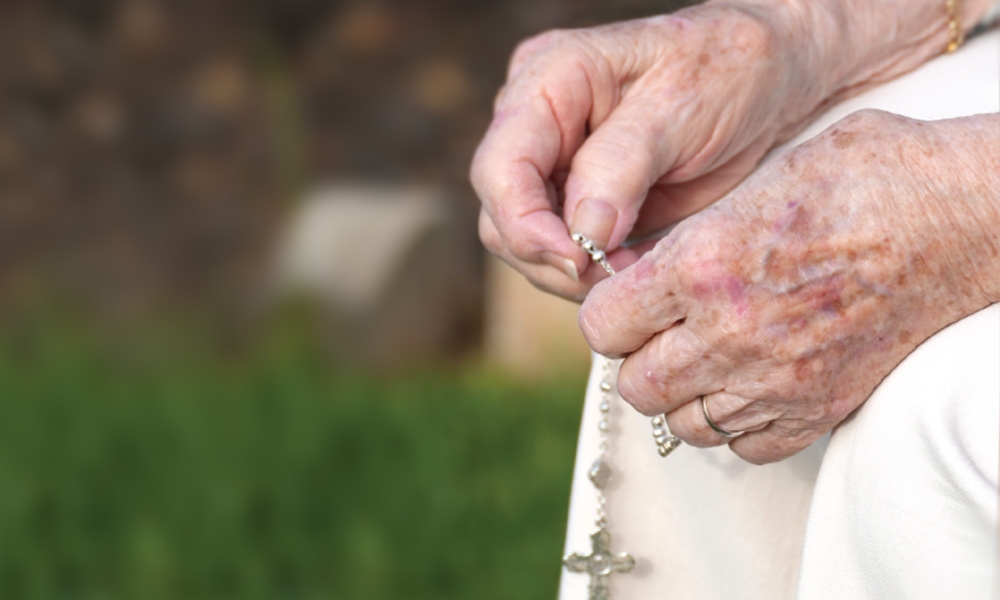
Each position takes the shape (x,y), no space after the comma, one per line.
(786,303)
(621,130)
(663,114)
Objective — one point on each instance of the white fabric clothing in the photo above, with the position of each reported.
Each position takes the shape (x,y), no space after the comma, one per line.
(906,500)
(905,490)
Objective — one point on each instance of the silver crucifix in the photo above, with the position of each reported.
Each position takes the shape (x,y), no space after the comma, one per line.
(600,563)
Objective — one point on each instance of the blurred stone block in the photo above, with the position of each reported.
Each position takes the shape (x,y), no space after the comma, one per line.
(346,243)
(391,267)
(527,331)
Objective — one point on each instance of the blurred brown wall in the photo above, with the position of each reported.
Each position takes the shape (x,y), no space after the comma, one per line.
(151,151)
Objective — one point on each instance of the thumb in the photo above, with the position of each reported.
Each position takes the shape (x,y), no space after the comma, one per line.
(612,172)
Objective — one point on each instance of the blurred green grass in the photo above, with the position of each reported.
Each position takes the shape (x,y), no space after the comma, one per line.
(164,470)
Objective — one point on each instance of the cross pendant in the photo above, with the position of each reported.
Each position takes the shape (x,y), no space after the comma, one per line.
(600,563)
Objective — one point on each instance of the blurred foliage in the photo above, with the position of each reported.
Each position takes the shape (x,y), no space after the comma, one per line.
(168,469)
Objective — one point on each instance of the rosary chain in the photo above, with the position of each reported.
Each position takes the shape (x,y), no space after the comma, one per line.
(665,441)
(596,254)
(600,562)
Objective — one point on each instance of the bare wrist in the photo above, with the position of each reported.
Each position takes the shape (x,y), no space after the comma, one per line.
(796,84)
(946,174)
(863,43)
(834,49)
(961,160)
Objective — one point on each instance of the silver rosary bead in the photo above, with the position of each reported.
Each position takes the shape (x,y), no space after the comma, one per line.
(599,473)
(668,446)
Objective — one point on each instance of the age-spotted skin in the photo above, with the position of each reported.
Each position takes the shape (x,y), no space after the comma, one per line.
(799,292)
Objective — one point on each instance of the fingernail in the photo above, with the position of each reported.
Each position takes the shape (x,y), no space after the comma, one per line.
(594,219)
(563,264)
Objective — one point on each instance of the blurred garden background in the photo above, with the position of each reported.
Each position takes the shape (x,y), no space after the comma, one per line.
(250,346)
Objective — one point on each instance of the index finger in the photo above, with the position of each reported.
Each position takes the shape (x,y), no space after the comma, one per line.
(624,312)
(533,134)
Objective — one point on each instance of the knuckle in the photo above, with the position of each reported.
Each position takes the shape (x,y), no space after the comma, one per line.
(835,410)
(632,390)
(637,387)
(479,171)
(864,118)
(592,322)
(476,168)
(501,96)
(519,244)
(754,38)
(489,235)
(808,411)
(699,263)
(529,46)
(735,333)
(779,383)
(859,130)
(691,432)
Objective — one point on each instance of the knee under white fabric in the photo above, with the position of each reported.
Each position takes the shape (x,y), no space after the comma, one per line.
(905,503)
(905,491)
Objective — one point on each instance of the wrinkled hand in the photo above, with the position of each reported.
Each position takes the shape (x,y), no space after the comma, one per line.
(787,302)
(623,129)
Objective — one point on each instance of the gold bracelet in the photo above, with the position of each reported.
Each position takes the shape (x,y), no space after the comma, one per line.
(955,34)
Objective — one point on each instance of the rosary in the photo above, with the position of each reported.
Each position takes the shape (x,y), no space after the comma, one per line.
(600,562)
